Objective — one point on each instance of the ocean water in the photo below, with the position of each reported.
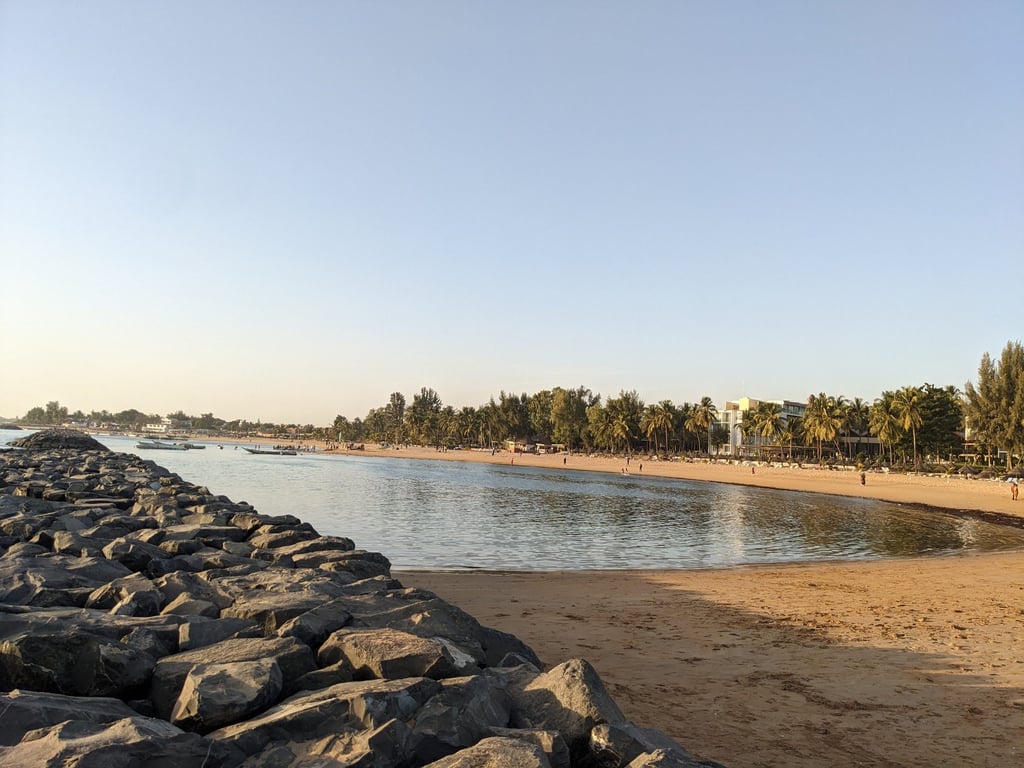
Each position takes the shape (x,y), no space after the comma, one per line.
(452,515)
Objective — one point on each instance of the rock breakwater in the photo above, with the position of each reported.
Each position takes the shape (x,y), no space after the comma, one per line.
(147,621)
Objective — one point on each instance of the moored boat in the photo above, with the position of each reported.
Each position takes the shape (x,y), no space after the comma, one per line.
(157,445)
(275,452)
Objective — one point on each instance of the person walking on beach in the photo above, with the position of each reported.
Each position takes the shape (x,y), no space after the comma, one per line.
(1013,490)
(863,478)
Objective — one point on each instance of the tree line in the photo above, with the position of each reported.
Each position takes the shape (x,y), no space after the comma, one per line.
(133,420)
(909,423)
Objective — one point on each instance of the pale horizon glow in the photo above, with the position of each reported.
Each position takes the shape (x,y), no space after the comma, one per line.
(286,213)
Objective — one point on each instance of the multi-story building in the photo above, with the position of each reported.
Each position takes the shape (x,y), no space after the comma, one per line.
(732,416)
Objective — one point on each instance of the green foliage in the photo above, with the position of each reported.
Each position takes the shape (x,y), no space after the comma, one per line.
(995,407)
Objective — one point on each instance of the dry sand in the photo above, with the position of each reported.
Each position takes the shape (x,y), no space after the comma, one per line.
(914,662)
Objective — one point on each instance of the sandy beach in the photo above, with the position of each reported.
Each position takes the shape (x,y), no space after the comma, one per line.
(915,662)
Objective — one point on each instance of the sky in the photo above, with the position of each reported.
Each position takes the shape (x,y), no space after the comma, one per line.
(287,211)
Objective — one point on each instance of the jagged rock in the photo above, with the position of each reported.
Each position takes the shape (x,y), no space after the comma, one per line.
(551,742)
(466,710)
(183,605)
(134,555)
(324,677)
(314,626)
(271,539)
(358,563)
(64,439)
(54,580)
(666,758)
(430,618)
(25,711)
(317,544)
(293,657)
(114,592)
(616,744)
(391,654)
(200,631)
(194,587)
(570,699)
(383,747)
(271,610)
(138,604)
(75,663)
(342,709)
(215,695)
(148,641)
(132,742)
(496,752)
(74,544)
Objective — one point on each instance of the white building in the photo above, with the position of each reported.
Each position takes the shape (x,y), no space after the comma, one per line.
(731,417)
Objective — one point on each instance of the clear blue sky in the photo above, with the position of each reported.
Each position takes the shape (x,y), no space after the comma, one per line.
(287,211)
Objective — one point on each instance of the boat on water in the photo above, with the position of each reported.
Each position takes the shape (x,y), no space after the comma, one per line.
(194,446)
(157,445)
(275,452)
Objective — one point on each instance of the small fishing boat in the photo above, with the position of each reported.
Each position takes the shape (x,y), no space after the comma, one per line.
(157,445)
(275,452)
(193,446)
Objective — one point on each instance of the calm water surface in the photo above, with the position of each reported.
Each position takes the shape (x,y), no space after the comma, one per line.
(450,515)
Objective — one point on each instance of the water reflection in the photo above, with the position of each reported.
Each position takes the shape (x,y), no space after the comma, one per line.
(426,514)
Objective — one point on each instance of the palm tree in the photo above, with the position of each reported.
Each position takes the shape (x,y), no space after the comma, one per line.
(649,424)
(599,426)
(768,420)
(620,431)
(790,428)
(823,418)
(907,404)
(856,419)
(701,419)
(656,417)
(747,427)
(883,422)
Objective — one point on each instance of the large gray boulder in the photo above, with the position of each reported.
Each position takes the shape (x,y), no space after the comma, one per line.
(75,662)
(133,742)
(25,711)
(343,709)
(616,744)
(466,710)
(570,699)
(200,631)
(293,657)
(314,626)
(215,695)
(54,580)
(391,654)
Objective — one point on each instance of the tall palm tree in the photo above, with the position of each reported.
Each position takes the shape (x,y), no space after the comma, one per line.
(856,418)
(620,431)
(701,419)
(908,406)
(768,420)
(660,416)
(883,421)
(649,424)
(823,419)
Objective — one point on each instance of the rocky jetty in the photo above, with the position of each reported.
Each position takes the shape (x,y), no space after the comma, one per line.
(145,621)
